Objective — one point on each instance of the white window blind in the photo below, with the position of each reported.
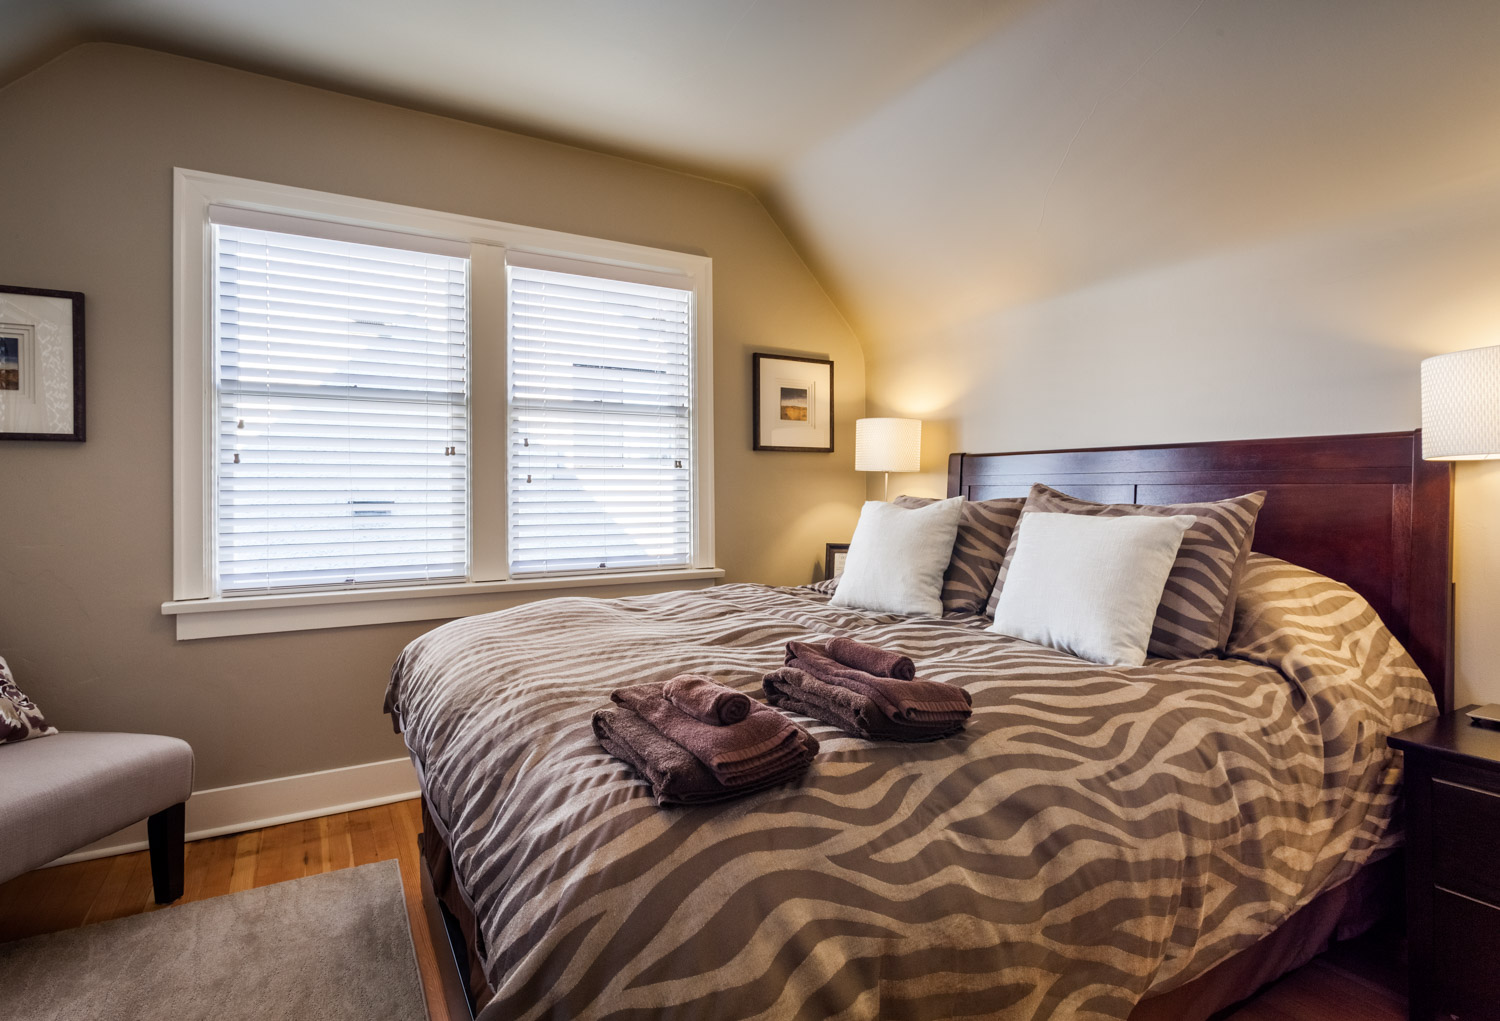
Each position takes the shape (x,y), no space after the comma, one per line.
(601,404)
(342,413)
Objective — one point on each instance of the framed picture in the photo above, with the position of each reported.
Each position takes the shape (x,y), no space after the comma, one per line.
(793,402)
(834,555)
(41,364)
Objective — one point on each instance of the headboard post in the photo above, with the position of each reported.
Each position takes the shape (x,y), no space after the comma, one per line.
(1364,509)
(955,474)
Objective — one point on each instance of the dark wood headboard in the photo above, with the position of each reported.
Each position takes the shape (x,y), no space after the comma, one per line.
(1363,509)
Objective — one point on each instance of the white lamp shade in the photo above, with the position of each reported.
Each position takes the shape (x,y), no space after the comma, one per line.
(887,445)
(1461,405)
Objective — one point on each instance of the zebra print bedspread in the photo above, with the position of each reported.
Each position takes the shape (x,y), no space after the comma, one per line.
(1094,835)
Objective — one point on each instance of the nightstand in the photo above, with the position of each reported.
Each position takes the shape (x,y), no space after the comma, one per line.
(1452,790)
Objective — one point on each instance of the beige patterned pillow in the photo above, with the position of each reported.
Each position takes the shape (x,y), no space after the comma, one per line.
(19,716)
(984,528)
(1197,608)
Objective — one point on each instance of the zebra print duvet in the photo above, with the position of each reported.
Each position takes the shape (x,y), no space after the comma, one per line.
(1094,835)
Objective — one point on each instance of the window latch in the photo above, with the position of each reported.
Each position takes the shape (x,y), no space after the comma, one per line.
(236,459)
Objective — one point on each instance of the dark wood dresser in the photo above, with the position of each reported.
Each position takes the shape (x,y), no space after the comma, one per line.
(1452,790)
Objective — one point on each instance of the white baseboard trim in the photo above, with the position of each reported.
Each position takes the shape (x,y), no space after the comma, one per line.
(249,806)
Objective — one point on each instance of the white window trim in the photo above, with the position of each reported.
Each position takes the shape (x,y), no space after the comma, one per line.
(201,614)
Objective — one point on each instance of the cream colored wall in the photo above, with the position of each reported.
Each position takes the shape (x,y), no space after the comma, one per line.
(90,141)
(1318,333)
(1170,221)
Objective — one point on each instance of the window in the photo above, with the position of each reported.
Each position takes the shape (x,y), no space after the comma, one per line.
(600,423)
(342,413)
(384,413)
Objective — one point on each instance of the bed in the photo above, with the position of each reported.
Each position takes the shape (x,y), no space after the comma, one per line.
(1099,842)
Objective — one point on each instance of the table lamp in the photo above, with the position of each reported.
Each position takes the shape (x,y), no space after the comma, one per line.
(887,445)
(1461,405)
(1461,422)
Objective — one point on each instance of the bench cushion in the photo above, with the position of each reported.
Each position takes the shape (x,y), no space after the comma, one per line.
(67,790)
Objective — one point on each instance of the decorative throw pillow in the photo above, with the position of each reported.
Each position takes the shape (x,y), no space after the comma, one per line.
(1089,585)
(1197,606)
(897,557)
(825,587)
(19,716)
(984,528)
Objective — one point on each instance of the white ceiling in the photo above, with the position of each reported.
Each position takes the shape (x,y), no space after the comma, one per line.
(731,88)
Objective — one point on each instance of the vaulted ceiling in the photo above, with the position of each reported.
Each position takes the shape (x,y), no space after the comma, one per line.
(734,89)
(936,159)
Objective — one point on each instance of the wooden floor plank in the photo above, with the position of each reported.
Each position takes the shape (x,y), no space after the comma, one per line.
(1343,985)
(83,888)
(132,893)
(209,868)
(121,867)
(246,861)
(362,838)
(274,861)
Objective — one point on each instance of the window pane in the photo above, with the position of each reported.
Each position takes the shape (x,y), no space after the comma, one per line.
(342,413)
(600,424)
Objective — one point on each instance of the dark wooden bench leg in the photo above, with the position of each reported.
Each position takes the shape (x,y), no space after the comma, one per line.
(165,831)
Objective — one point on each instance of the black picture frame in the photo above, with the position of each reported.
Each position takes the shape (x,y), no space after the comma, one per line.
(757,368)
(76,297)
(830,555)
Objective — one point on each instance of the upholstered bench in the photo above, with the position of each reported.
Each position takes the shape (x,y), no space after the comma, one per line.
(60,792)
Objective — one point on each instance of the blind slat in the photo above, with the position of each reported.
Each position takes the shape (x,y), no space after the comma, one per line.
(342,375)
(600,423)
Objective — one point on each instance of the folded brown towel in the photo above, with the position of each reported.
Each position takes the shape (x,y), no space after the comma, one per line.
(872,659)
(906,702)
(800,692)
(675,774)
(759,745)
(707,701)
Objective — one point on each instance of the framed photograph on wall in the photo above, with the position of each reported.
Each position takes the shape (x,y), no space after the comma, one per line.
(793,402)
(41,364)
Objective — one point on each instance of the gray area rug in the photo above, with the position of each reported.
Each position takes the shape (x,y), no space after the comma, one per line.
(327,947)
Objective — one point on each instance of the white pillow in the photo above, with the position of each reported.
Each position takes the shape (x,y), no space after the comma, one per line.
(898,556)
(1089,585)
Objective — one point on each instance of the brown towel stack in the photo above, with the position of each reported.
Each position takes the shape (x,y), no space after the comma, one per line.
(833,683)
(689,761)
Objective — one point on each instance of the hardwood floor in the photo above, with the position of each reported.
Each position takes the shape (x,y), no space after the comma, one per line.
(1356,981)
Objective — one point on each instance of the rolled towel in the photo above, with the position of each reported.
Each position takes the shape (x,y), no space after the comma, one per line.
(872,659)
(675,774)
(738,754)
(907,702)
(800,692)
(707,701)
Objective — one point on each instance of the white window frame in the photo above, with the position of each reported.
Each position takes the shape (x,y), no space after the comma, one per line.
(202,614)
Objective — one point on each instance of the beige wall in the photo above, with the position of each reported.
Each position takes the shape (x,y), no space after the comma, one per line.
(90,141)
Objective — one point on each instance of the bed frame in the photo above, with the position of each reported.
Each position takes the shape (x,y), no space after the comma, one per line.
(1363,509)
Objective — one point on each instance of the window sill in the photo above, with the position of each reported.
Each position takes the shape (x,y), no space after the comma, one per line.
(307,611)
